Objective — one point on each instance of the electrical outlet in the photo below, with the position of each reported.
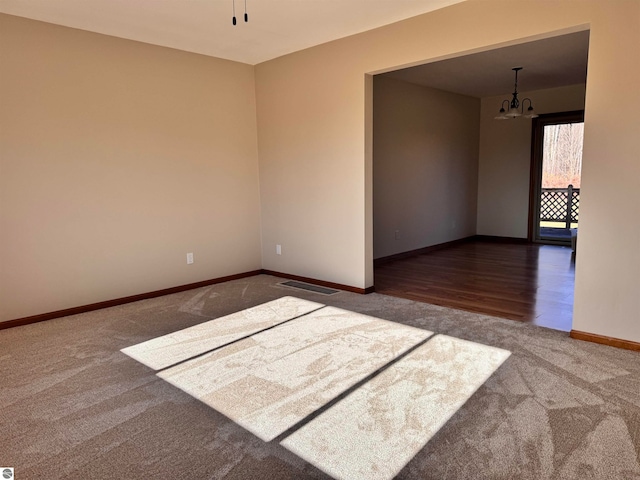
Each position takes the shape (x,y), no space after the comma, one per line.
(278,249)
(397,234)
(189,258)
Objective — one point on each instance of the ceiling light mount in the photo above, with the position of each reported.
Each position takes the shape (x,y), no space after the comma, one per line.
(246,15)
(515,108)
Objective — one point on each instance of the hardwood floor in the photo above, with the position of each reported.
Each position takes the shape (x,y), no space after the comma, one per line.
(526,282)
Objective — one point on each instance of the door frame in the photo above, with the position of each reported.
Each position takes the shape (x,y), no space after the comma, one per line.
(535,177)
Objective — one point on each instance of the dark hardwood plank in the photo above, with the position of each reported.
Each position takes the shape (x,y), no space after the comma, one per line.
(526,282)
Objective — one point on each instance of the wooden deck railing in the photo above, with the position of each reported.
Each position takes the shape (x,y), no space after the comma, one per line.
(560,205)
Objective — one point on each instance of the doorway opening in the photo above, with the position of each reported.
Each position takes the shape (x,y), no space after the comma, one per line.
(556,167)
(451,186)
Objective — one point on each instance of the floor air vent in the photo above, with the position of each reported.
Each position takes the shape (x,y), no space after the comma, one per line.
(309,287)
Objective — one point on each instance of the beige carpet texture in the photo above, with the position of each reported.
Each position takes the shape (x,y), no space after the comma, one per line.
(275,379)
(167,350)
(271,380)
(254,380)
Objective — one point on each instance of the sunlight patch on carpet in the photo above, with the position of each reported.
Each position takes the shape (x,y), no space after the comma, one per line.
(269,382)
(361,395)
(374,431)
(162,352)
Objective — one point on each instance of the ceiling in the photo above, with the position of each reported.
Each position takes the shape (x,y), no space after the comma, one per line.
(275,27)
(548,63)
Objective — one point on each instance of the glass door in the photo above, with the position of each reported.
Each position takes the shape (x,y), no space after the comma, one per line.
(556,170)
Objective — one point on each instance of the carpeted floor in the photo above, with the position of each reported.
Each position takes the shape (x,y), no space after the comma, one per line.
(73,406)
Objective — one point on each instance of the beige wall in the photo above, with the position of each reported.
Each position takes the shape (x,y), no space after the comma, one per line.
(607,295)
(505,158)
(425,166)
(117,158)
(311,143)
(315,161)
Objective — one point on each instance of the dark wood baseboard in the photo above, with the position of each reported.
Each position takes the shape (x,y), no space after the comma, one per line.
(121,301)
(322,283)
(167,291)
(612,342)
(494,239)
(421,251)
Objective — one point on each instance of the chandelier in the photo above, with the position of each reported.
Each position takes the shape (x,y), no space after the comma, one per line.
(515,108)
